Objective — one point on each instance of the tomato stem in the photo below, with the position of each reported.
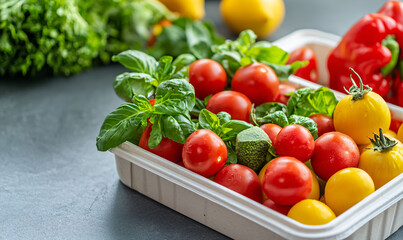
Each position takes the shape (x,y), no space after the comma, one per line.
(381,143)
(355,91)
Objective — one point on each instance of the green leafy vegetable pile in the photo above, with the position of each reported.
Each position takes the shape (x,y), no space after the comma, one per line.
(64,37)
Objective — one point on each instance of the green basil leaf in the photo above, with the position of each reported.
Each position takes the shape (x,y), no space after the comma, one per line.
(172,129)
(283,72)
(136,61)
(224,117)
(183,60)
(231,61)
(174,96)
(209,120)
(306,102)
(269,108)
(135,139)
(177,127)
(231,156)
(198,38)
(235,126)
(165,69)
(156,134)
(305,122)
(199,105)
(266,52)
(323,101)
(122,123)
(279,118)
(127,85)
(245,40)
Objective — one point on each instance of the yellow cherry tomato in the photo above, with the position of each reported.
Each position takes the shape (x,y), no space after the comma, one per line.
(360,114)
(311,212)
(390,134)
(315,192)
(346,188)
(261,175)
(186,8)
(261,16)
(384,161)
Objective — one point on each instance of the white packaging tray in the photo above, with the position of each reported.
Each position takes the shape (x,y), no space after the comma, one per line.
(375,217)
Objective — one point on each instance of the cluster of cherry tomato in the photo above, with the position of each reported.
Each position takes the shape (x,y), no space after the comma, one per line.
(289,184)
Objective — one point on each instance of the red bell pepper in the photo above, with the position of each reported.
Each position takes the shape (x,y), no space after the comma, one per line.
(371,48)
(310,71)
(394,9)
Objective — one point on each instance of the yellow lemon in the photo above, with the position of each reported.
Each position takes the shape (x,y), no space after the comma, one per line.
(261,16)
(186,8)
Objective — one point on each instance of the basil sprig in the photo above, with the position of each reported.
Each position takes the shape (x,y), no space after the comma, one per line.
(147,73)
(170,117)
(245,50)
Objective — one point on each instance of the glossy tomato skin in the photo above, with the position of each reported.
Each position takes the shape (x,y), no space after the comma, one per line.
(382,166)
(346,188)
(324,123)
(204,153)
(334,151)
(287,181)
(295,141)
(271,130)
(395,124)
(234,103)
(360,118)
(240,179)
(207,77)
(167,148)
(277,207)
(311,212)
(283,90)
(310,71)
(257,81)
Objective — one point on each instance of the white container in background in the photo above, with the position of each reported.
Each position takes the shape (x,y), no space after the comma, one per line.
(375,217)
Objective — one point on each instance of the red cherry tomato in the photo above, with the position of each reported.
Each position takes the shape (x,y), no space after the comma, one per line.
(287,181)
(284,89)
(242,180)
(204,153)
(310,71)
(395,124)
(234,103)
(295,141)
(271,130)
(167,148)
(324,122)
(277,207)
(207,77)
(257,81)
(334,151)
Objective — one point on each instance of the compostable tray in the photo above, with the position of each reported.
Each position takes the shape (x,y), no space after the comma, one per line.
(375,217)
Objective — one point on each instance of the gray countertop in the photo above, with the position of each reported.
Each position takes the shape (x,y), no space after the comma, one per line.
(54,184)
